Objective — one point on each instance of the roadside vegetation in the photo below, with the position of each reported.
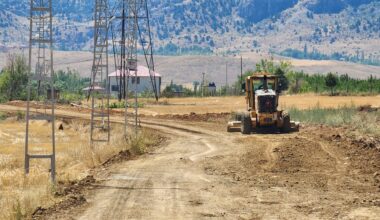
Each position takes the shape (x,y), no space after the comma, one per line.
(14,81)
(20,196)
(365,120)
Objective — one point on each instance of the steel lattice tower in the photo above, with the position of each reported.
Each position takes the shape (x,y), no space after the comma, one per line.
(130,28)
(99,88)
(41,72)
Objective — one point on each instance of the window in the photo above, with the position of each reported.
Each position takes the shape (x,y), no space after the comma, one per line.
(114,88)
(259,84)
(134,80)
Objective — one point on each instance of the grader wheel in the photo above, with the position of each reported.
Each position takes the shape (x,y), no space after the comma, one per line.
(286,127)
(246,124)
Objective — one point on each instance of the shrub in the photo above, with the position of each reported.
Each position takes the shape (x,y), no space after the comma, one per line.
(331,81)
(3,116)
(20,115)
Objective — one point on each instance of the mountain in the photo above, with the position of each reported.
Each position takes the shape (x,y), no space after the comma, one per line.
(350,27)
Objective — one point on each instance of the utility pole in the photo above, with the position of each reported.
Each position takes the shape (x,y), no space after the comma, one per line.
(41,52)
(241,73)
(226,78)
(203,83)
(241,69)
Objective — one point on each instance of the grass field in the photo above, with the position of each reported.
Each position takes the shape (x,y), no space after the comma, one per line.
(231,104)
(362,122)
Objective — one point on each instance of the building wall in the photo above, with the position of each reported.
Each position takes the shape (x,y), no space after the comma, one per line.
(143,84)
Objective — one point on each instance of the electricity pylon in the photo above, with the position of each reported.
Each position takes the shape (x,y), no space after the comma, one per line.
(99,91)
(41,58)
(130,28)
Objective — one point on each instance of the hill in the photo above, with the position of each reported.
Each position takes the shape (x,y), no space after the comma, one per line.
(348,27)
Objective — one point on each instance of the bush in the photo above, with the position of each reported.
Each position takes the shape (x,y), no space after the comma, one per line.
(3,116)
(67,98)
(20,116)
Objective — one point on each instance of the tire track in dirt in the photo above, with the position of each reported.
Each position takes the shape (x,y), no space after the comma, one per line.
(163,193)
(210,148)
(341,164)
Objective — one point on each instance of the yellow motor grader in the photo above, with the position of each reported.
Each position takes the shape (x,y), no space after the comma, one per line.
(262,97)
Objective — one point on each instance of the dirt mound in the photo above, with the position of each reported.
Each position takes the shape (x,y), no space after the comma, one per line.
(74,187)
(69,203)
(367,108)
(197,117)
(72,193)
(369,142)
(122,156)
(301,155)
(361,152)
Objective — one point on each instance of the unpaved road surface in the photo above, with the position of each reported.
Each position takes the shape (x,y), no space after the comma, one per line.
(202,172)
(205,173)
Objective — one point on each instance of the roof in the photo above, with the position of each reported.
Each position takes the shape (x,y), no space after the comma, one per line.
(142,71)
(95,88)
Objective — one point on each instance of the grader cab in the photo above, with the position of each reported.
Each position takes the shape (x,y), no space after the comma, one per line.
(262,97)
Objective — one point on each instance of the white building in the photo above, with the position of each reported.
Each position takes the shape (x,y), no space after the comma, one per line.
(144,83)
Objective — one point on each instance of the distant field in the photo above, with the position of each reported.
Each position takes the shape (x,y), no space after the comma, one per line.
(229,104)
(187,69)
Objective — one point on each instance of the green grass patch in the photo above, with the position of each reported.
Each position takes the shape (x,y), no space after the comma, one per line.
(365,122)
(116,105)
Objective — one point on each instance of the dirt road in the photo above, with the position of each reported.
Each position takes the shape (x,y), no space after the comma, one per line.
(203,172)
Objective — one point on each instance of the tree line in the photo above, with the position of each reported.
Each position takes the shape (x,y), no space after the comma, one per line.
(294,82)
(290,82)
(359,57)
(14,81)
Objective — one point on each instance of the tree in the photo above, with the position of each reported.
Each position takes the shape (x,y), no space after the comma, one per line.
(282,80)
(195,84)
(14,78)
(305,51)
(345,78)
(331,81)
(370,82)
(265,66)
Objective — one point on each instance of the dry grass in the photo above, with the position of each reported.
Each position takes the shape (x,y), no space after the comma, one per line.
(21,195)
(233,104)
